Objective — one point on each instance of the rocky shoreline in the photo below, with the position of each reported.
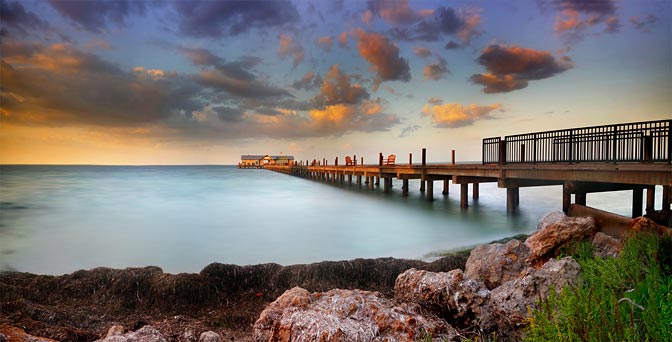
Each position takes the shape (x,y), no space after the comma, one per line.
(471,294)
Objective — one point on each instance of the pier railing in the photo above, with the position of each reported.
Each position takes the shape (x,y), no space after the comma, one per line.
(630,142)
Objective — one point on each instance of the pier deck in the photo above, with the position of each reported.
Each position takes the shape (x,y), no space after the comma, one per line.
(634,156)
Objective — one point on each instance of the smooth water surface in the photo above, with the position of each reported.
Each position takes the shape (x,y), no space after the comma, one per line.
(58,219)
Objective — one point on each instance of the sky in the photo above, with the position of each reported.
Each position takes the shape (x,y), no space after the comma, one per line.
(203,82)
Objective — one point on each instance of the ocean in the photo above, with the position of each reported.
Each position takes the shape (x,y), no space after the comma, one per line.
(59,219)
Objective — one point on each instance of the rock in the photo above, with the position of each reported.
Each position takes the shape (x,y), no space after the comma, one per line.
(497,263)
(115,330)
(448,294)
(550,218)
(546,243)
(144,334)
(345,315)
(606,246)
(209,336)
(645,225)
(509,302)
(13,334)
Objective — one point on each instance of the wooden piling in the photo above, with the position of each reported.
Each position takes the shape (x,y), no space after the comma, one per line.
(637,195)
(666,199)
(464,195)
(512,199)
(424,163)
(580,198)
(475,190)
(452,158)
(350,179)
(404,187)
(446,188)
(387,184)
(380,159)
(377,180)
(650,199)
(410,159)
(430,189)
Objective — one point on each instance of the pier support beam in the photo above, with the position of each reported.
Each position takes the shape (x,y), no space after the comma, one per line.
(359,180)
(666,199)
(650,199)
(350,179)
(512,199)
(474,191)
(566,198)
(377,180)
(387,184)
(430,189)
(580,198)
(637,195)
(404,187)
(446,189)
(464,195)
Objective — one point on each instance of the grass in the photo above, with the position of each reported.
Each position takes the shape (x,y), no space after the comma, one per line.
(628,298)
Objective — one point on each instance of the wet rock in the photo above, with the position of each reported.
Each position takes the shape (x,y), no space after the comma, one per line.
(497,263)
(509,302)
(547,242)
(345,315)
(144,334)
(448,294)
(209,336)
(550,218)
(606,246)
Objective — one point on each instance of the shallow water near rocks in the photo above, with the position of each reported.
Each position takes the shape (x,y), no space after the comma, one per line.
(58,219)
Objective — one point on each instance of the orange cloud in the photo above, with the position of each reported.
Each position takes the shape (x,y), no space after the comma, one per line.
(337,88)
(453,115)
(383,55)
(325,43)
(290,47)
(343,39)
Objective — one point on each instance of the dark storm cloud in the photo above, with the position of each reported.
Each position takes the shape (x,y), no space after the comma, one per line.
(230,18)
(228,113)
(383,55)
(95,16)
(15,17)
(511,67)
(309,81)
(445,21)
(599,7)
(60,85)
(437,70)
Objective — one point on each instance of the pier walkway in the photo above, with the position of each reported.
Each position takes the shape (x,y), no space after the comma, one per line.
(633,156)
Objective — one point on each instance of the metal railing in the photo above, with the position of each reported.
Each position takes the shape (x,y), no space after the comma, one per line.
(629,142)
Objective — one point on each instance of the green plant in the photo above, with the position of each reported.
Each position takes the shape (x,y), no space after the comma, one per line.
(628,298)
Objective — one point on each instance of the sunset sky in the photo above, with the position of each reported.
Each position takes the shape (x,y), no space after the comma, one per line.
(202,82)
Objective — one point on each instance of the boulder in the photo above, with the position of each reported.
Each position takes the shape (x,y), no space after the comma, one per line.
(546,243)
(645,225)
(12,334)
(497,263)
(448,294)
(606,246)
(144,334)
(345,315)
(509,302)
(550,218)
(209,336)
(115,330)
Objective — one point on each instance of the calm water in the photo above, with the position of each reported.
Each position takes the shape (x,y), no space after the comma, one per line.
(58,219)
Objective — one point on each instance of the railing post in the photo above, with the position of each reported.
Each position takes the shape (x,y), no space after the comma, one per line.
(410,159)
(502,152)
(336,162)
(354,160)
(361,161)
(522,153)
(534,149)
(453,156)
(614,151)
(571,146)
(424,156)
(648,148)
(380,159)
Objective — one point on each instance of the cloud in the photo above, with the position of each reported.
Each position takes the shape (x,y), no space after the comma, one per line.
(221,80)
(95,16)
(230,18)
(408,130)
(422,52)
(59,85)
(290,47)
(436,71)
(454,115)
(435,101)
(395,12)
(452,45)
(98,44)
(383,55)
(343,40)
(575,17)
(325,43)
(309,81)
(337,89)
(643,24)
(18,19)
(462,24)
(511,67)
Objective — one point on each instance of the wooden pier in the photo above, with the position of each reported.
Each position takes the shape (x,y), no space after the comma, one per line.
(633,156)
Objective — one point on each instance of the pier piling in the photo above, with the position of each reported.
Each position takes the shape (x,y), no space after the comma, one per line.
(464,196)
